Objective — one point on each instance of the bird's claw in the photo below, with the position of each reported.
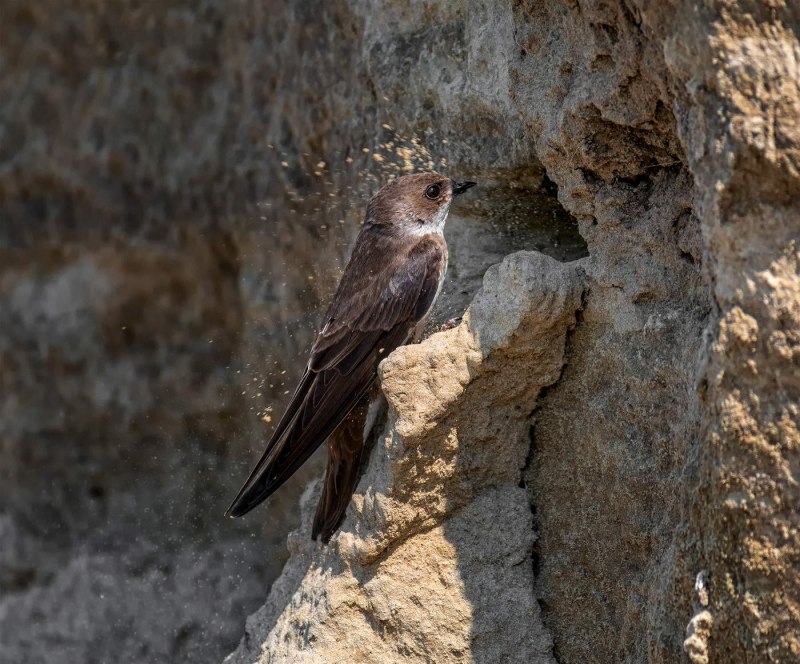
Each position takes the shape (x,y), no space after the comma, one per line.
(450,324)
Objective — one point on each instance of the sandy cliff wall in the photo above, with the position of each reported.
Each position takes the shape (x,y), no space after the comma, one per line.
(179,184)
(652,510)
(599,464)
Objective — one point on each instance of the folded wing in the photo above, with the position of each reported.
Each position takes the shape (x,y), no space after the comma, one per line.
(387,288)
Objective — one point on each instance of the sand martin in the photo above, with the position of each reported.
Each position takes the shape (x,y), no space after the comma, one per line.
(385,295)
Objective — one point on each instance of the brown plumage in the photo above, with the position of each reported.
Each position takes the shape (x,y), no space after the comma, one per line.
(345,445)
(386,292)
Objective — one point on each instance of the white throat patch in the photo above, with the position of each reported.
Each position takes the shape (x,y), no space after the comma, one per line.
(436,225)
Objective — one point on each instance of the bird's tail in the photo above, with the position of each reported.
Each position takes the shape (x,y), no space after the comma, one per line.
(344,458)
(263,479)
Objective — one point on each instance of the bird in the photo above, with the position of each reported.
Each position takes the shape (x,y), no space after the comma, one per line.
(384,297)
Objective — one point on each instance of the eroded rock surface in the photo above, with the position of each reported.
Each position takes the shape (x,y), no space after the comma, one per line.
(179,186)
(658,518)
(661,463)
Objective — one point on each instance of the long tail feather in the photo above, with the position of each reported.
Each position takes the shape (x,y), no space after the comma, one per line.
(341,474)
(241,504)
(320,404)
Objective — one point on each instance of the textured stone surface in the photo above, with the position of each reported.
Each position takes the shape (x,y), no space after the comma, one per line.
(661,495)
(434,560)
(621,422)
(738,105)
(662,461)
(179,186)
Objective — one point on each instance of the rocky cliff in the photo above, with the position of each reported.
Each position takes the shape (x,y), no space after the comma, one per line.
(597,464)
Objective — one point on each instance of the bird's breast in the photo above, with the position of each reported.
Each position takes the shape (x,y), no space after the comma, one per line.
(442,273)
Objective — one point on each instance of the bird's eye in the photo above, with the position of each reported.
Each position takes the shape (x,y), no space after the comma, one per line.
(433,192)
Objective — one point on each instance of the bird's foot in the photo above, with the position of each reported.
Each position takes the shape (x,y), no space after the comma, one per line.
(449,325)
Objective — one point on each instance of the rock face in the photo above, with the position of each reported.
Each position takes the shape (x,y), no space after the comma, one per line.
(149,313)
(128,412)
(598,464)
(660,466)
(179,186)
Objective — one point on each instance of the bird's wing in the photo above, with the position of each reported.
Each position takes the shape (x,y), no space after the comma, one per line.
(377,305)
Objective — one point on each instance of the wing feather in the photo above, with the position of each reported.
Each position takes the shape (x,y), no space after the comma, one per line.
(366,321)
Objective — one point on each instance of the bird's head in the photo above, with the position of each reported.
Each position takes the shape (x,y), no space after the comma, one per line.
(417,203)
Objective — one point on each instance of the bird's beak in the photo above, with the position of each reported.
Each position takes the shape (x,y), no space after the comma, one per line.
(461,187)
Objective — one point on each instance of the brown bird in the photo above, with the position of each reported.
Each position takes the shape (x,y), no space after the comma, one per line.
(385,295)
